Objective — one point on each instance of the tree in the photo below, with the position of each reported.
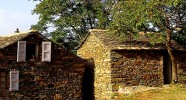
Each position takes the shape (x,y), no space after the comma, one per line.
(69,20)
(165,16)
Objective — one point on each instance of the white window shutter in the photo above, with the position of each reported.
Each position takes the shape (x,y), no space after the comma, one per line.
(14,80)
(46,51)
(21,51)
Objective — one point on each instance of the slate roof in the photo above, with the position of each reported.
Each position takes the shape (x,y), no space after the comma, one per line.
(10,39)
(128,45)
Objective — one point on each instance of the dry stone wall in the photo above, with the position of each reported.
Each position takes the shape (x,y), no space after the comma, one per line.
(60,79)
(136,67)
(181,68)
(40,83)
(94,49)
(117,68)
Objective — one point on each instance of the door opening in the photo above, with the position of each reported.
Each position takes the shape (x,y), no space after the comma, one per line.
(167,69)
(88,83)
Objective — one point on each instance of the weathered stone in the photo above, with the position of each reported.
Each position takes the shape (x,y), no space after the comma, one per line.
(102,67)
(60,78)
(128,64)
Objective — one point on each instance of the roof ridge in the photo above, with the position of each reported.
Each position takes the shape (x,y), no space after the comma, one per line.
(115,44)
(10,39)
(24,32)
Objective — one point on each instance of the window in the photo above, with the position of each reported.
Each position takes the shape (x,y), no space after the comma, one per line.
(21,51)
(14,80)
(2,80)
(28,51)
(46,51)
(31,51)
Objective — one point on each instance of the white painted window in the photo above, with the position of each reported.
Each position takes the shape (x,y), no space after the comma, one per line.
(46,51)
(21,51)
(14,80)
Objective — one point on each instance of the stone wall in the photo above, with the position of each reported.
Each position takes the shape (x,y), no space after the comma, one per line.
(61,78)
(181,62)
(118,68)
(94,49)
(136,67)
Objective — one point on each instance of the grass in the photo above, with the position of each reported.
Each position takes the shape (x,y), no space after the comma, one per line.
(173,92)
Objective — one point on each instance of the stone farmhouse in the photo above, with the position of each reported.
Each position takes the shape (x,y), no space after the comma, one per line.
(117,64)
(34,68)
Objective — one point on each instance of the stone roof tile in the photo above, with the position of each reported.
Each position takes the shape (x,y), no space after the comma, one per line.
(129,45)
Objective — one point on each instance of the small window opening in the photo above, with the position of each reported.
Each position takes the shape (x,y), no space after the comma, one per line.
(70,61)
(50,85)
(31,52)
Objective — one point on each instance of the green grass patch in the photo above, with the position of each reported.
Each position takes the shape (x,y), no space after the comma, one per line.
(172,92)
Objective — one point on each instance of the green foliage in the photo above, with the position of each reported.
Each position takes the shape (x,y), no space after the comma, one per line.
(61,18)
(133,16)
(156,38)
(71,19)
(180,37)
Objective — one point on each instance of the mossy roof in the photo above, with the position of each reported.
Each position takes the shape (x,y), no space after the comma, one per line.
(115,44)
(10,39)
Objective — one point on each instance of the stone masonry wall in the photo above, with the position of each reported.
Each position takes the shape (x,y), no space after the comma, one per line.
(60,79)
(127,67)
(181,68)
(136,67)
(94,49)
(36,83)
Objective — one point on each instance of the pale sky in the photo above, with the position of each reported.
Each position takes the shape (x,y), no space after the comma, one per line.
(16,14)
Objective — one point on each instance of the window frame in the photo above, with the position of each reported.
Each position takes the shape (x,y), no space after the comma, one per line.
(21,51)
(14,83)
(46,51)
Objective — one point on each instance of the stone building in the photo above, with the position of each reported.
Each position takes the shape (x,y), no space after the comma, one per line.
(132,63)
(34,68)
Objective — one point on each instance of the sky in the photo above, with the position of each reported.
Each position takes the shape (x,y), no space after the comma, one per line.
(16,14)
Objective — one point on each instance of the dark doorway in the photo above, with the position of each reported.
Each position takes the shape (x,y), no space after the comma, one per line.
(167,69)
(88,83)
